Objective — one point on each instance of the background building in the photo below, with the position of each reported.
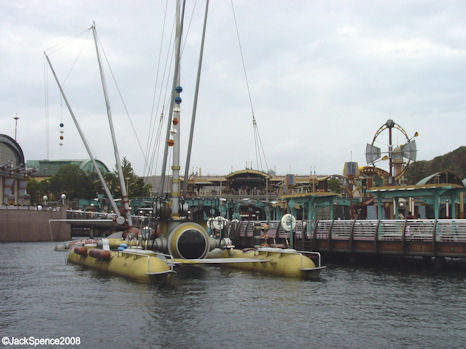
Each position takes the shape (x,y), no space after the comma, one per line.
(13,173)
(44,169)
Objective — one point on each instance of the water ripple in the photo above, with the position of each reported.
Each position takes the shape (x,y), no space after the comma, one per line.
(211,307)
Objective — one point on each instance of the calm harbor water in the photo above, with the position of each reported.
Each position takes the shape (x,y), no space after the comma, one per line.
(212,307)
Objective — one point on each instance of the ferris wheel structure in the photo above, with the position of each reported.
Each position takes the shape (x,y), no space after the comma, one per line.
(399,156)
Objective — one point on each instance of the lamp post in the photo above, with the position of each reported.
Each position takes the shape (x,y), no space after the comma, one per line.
(16,117)
(63,197)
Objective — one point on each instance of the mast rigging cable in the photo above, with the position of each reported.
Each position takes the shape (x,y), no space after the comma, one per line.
(257,140)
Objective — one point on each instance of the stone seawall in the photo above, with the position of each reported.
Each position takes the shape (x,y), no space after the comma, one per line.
(27,225)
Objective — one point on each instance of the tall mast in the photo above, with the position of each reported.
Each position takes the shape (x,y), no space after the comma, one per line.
(175,193)
(196,93)
(124,194)
(86,145)
(179,31)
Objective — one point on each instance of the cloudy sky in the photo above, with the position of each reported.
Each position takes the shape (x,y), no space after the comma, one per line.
(323,77)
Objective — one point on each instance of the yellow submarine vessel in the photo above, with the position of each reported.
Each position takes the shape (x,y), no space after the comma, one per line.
(187,244)
(172,240)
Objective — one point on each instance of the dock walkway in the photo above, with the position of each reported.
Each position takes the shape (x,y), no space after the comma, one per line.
(420,237)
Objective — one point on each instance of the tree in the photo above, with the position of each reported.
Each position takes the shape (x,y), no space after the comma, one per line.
(95,184)
(37,190)
(76,184)
(135,185)
(454,161)
(72,181)
(334,185)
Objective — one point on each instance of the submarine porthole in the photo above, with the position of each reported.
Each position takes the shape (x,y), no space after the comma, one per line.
(191,244)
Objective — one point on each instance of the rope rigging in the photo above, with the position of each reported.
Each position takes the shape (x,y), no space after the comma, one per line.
(189,27)
(153,121)
(54,49)
(57,47)
(154,145)
(123,102)
(258,147)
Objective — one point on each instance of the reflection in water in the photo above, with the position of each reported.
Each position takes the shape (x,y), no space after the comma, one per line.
(212,307)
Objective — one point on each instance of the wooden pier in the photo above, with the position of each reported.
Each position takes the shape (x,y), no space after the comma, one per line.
(417,237)
(426,237)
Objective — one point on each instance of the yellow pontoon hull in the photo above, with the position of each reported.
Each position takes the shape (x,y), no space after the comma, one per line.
(274,261)
(140,267)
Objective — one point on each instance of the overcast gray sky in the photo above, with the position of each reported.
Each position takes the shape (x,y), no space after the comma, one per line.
(323,76)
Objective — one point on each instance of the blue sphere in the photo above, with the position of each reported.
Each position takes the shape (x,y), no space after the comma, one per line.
(61,124)
(178,100)
(178,89)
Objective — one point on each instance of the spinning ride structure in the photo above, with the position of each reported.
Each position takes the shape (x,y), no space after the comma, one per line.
(399,157)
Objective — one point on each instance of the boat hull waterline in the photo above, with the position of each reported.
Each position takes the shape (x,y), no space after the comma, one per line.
(145,265)
(136,266)
(274,261)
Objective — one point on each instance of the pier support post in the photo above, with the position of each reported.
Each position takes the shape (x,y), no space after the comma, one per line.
(395,208)
(434,238)
(16,188)
(332,202)
(379,206)
(1,189)
(461,205)
(439,263)
(257,234)
(427,260)
(352,236)
(436,206)
(453,198)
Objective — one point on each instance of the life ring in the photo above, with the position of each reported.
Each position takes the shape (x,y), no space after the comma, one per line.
(288,222)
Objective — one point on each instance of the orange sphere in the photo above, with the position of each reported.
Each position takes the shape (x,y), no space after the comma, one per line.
(170,142)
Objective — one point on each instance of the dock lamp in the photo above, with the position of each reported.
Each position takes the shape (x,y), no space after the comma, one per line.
(45,198)
(63,197)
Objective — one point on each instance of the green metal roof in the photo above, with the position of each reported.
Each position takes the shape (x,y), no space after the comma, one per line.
(428,179)
(48,168)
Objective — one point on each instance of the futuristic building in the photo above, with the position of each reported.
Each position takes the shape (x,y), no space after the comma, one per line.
(13,173)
